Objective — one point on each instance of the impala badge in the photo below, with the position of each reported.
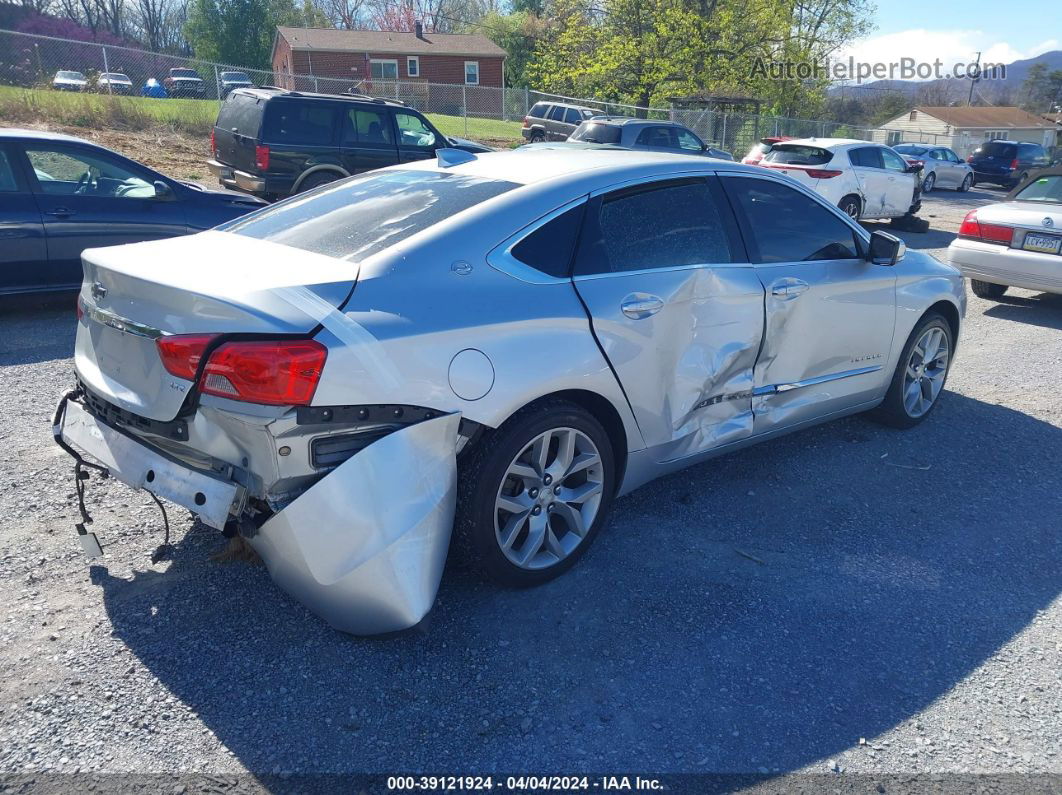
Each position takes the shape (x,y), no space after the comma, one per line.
(98,291)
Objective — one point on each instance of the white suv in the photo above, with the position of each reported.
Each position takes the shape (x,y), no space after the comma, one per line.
(865,180)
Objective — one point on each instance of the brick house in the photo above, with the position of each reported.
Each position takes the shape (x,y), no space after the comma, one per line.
(439,72)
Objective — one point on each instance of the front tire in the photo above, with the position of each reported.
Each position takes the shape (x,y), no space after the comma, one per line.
(920,374)
(533,494)
(993,292)
(967,183)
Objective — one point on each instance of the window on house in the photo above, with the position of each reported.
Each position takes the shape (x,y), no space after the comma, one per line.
(472,73)
(383,70)
(413,66)
(995,135)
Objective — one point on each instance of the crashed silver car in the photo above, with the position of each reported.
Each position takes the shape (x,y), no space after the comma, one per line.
(497,344)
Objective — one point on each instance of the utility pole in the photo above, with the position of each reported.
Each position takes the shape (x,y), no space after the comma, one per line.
(973,82)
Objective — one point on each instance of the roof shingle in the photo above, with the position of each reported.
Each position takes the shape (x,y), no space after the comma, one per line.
(1000,118)
(390,41)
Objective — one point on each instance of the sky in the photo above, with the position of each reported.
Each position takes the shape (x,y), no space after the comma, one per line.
(1003,30)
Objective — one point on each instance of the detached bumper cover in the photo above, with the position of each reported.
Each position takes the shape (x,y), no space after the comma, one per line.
(231,178)
(364,547)
(141,467)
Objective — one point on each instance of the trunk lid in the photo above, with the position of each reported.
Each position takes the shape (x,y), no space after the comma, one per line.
(237,130)
(209,283)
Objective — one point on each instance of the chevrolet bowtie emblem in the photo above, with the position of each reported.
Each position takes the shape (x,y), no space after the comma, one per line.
(98,290)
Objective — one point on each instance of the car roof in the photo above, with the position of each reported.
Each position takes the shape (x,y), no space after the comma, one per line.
(528,165)
(828,143)
(275,92)
(39,135)
(564,105)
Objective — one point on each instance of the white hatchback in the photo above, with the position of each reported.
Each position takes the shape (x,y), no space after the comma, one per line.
(865,180)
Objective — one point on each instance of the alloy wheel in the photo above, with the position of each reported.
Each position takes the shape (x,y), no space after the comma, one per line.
(548,498)
(929,182)
(926,370)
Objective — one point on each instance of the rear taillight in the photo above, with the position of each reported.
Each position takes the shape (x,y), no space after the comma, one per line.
(213,143)
(273,372)
(1014,164)
(818,173)
(261,157)
(917,163)
(969,159)
(973,229)
(181,353)
(527,121)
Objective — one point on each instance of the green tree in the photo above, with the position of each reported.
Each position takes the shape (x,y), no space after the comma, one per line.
(1041,90)
(240,32)
(516,33)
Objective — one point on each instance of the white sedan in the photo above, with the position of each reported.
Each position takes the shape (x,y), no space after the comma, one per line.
(1014,243)
(863,179)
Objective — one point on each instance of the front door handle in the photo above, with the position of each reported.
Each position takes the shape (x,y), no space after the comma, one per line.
(641,305)
(59,212)
(788,289)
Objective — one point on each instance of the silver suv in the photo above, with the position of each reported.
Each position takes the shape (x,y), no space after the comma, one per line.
(554,121)
(645,134)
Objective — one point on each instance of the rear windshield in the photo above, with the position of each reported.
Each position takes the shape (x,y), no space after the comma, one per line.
(798,155)
(997,149)
(911,149)
(1045,189)
(597,132)
(116,76)
(184,73)
(361,216)
(242,112)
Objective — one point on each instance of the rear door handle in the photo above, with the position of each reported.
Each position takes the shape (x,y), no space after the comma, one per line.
(641,305)
(788,289)
(59,212)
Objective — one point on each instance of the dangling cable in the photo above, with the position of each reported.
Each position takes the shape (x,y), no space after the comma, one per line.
(164,550)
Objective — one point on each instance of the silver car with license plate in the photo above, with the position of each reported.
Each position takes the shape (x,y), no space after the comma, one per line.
(1016,243)
(497,345)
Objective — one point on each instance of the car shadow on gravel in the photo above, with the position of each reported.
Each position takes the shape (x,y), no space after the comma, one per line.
(1044,310)
(37,328)
(755,613)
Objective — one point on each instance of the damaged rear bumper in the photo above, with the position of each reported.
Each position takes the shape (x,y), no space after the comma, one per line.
(364,547)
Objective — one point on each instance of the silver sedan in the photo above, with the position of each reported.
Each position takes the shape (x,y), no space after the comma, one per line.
(498,345)
(1014,243)
(941,167)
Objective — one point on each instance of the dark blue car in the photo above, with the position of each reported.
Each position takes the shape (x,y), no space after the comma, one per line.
(60,195)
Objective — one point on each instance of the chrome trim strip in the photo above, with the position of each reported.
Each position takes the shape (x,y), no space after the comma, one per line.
(120,323)
(822,379)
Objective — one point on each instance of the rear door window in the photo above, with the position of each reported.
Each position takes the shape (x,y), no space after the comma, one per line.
(557,113)
(786,225)
(659,225)
(301,123)
(242,112)
(658,138)
(866,157)
(367,127)
(798,155)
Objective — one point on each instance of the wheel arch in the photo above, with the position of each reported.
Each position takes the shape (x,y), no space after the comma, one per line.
(342,172)
(950,313)
(603,410)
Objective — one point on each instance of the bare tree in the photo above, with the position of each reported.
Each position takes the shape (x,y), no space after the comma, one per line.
(345,14)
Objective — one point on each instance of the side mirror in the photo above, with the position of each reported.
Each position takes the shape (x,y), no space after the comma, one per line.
(163,192)
(885,249)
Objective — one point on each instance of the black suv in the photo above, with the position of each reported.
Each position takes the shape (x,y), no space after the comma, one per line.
(1007,163)
(274,143)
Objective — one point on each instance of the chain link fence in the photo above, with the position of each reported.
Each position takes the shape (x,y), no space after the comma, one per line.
(47,63)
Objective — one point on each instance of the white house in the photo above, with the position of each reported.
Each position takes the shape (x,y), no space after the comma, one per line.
(963,129)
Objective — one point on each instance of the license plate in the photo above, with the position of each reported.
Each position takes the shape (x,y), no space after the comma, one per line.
(1047,244)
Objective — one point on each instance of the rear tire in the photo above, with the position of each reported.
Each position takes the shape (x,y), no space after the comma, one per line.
(851,206)
(318,179)
(993,292)
(520,519)
(920,375)
(929,182)
(537,137)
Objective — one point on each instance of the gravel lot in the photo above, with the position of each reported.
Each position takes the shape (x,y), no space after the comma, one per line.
(896,608)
